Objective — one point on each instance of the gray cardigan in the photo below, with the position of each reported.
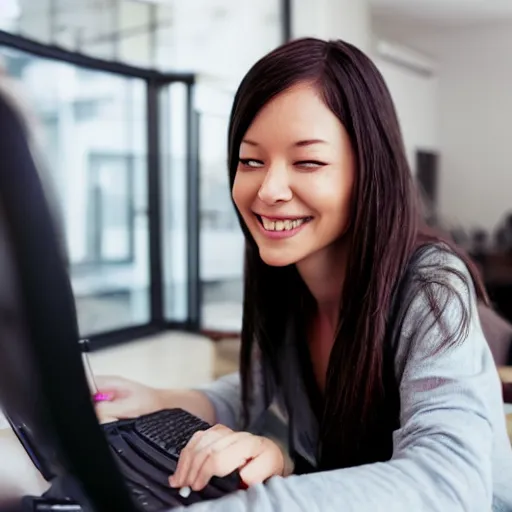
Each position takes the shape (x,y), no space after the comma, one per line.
(451,452)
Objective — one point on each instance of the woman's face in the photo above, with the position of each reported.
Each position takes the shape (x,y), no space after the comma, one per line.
(295,177)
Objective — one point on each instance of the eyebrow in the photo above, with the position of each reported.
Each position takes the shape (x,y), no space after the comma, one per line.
(300,143)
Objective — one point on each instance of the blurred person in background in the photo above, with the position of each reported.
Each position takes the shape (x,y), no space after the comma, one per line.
(360,324)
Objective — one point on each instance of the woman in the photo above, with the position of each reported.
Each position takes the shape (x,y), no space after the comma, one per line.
(360,326)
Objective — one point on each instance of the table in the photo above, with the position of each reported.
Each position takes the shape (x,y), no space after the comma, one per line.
(505,373)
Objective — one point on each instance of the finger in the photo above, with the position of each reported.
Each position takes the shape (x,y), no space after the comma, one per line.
(261,467)
(202,453)
(103,397)
(183,464)
(105,419)
(234,456)
(114,409)
(201,438)
(186,455)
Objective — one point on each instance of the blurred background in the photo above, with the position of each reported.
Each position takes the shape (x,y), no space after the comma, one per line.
(130,103)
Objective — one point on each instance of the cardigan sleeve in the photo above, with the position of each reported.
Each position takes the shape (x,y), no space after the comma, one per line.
(225,394)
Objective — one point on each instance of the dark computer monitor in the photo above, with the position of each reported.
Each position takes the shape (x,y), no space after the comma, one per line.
(43,387)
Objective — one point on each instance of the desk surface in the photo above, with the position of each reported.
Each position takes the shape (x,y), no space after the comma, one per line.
(505,373)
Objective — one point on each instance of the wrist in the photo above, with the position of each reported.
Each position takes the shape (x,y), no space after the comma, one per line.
(192,401)
(164,399)
(288,466)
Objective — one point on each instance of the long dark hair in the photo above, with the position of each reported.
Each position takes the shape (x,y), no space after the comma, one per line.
(361,407)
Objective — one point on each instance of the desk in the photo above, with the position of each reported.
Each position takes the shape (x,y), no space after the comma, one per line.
(505,373)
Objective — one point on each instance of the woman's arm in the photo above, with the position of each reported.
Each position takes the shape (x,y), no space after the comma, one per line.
(225,396)
(225,399)
(194,401)
(442,452)
(216,402)
(130,399)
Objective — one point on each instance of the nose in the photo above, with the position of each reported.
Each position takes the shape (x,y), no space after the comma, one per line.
(275,187)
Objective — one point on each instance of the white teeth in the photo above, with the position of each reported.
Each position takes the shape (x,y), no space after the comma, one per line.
(268,224)
(282,225)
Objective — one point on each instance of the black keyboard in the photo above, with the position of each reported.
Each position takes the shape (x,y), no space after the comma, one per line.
(144,499)
(146,451)
(170,430)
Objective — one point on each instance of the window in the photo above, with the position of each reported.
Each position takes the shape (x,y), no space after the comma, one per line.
(174,151)
(92,131)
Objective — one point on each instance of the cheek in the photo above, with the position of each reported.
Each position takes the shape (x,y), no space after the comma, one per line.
(242,197)
(237,193)
(336,204)
(242,194)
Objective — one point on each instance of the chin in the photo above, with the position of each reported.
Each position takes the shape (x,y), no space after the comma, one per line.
(276,259)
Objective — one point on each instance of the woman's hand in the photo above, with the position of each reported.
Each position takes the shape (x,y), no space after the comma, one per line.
(219,451)
(126,399)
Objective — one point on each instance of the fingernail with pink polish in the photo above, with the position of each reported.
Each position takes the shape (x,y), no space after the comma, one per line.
(103,397)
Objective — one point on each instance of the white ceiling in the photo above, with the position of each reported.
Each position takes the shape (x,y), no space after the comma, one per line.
(444,12)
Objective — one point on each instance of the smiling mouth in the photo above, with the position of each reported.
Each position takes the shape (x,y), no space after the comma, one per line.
(282,224)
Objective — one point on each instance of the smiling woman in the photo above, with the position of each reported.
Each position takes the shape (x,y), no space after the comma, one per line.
(361,341)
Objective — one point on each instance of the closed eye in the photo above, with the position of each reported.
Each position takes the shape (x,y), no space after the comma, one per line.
(310,164)
(251,163)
